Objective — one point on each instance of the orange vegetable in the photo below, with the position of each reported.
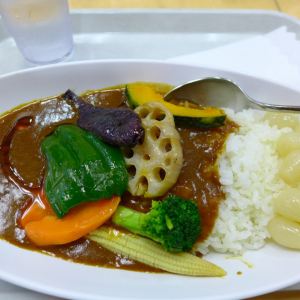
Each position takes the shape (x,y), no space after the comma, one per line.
(37,210)
(80,220)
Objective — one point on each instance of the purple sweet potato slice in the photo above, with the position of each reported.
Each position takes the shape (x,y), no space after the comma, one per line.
(115,126)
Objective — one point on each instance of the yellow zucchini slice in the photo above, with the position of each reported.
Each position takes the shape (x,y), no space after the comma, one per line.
(207,117)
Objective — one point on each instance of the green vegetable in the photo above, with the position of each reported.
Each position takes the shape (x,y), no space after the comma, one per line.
(206,117)
(175,222)
(81,168)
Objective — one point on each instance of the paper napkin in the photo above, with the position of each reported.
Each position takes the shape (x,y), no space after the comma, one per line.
(274,56)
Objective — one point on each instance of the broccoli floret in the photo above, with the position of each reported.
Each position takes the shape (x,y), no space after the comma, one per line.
(174,222)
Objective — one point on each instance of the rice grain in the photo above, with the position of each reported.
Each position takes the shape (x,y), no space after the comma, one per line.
(248,170)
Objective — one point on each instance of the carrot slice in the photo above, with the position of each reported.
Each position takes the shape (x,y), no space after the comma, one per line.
(37,210)
(79,221)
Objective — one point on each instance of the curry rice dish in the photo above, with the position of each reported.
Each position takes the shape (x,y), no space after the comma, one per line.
(24,166)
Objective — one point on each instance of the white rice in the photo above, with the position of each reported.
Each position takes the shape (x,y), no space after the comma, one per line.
(249,174)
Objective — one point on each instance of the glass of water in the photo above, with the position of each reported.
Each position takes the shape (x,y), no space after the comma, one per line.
(41,28)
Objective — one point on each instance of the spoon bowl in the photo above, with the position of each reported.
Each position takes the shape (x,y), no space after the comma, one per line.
(221,92)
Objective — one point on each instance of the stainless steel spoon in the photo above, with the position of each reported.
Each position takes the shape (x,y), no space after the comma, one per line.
(221,92)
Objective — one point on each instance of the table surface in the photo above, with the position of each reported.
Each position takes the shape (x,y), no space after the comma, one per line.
(291,7)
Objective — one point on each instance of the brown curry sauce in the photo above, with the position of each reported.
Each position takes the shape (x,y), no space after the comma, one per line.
(199,178)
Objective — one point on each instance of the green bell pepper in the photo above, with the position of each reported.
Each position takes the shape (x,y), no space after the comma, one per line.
(81,168)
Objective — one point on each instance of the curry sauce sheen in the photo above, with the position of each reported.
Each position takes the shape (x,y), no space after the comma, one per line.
(21,153)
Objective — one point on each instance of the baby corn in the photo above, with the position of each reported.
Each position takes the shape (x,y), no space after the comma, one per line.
(151,253)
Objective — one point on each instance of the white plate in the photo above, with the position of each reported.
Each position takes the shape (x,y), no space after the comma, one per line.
(273,266)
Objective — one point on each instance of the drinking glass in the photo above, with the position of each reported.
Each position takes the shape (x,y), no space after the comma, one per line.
(41,28)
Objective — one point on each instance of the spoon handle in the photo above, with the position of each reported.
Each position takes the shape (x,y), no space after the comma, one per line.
(273,107)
